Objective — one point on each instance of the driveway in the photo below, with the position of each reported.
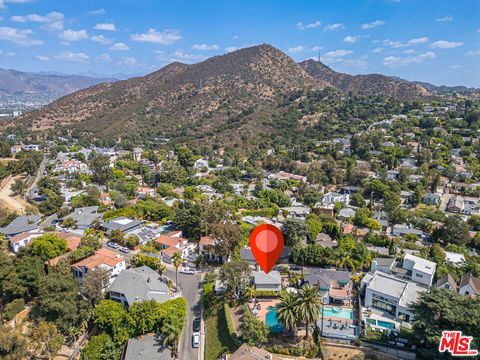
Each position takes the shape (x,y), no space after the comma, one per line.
(189,286)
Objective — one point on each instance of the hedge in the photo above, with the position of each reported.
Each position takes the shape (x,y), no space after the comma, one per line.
(265,293)
(230,326)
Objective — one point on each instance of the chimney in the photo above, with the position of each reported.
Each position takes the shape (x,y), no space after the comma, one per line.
(148,280)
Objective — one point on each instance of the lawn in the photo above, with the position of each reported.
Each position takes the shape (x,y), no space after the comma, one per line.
(218,340)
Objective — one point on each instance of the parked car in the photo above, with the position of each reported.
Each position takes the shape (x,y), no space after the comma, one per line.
(187,271)
(113,245)
(196,340)
(196,325)
(295,267)
(124,250)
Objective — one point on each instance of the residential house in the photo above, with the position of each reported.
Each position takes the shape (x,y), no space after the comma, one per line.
(101,259)
(335,286)
(267,282)
(22,240)
(382,264)
(297,212)
(469,285)
(146,347)
(247,352)
(121,223)
(454,258)
(331,198)
(402,230)
(455,204)
(31,147)
(207,248)
(325,240)
(144,192)
(393,174)
(21,224)
(282,175)
(247,255)
(15,149)
(84,217)
(137,285)
(391,295)
(416,269)
(446,282)
(346,213)
(200,164)
(432,199)
(172,243)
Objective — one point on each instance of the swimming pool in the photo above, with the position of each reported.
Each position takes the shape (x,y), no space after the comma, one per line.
(341,313)
(272,321)
(380,323)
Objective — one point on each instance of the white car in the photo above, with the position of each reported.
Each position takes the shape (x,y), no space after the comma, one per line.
(124,250)
(187,271)
(196,340)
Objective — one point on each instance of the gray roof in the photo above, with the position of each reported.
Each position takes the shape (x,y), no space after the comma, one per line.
(84,216)
(147,347)
(324,277)
(384,261)
(121,223)
(272,278)
(139,284)
(21,224)
(246,255)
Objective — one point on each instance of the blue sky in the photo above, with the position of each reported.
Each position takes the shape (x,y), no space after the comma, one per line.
(435,41)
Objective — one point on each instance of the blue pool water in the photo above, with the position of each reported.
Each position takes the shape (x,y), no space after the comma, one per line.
(341,313)
(380,323)
(272,322)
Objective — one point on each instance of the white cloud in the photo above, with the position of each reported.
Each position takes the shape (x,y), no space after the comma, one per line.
(301,26)
(6,53)
(316,48)
(205,47)
(165,37)
(42,58)
(420,40)
(73,35)
(354,38)
(445,18)
(72,56)
(408,51)
(444,44)
(18,36)
(130,62)
(333,27)
(372,24)
(54,26)
(229,49)
(101,39)
(105,27)
(119,46)
(180,55)
(473,53)
(296,49)
(3,2)
(393,44)
(377,50)
(394,61)
(50,17)
(338,53)
(104,58)
(97,12)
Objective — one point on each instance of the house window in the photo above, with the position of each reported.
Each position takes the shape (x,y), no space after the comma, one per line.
(384,304)
(419,275)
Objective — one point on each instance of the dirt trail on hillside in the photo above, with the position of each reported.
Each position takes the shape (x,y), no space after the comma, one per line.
(7,200)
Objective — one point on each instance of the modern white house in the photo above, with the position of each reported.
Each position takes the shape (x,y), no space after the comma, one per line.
(391,296)
(422,270)
(331,198)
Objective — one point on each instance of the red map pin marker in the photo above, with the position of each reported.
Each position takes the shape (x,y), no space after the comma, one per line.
(266,242)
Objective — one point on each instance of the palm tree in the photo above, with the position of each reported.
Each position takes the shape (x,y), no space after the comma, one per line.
(170,330)
(176,261)
(308,305)
(287,311)
(343,259)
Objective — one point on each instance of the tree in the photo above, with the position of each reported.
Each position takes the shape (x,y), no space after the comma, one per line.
(146,316)
(170,329)
(12,343)
(112,317)
(176,261)
(48,246)
(443,310)
(455,231)
(295,232)
(95,281)
(308,305)
(100,165)
(254,332)
(18,187)
(152,262)
(235,275)
(188,217)
(287,311)
(228,236)
(47,338)
(356,199)
(117,236)
(101,347)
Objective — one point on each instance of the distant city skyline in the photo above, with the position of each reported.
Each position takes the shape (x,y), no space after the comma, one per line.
(433,41)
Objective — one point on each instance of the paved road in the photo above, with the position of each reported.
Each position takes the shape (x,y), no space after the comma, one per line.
(34,187)
(189,286)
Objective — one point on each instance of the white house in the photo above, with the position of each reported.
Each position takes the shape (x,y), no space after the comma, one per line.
(422,271)
(391,295)
(469,285)
(22,240)
(331,198)
(267,282)
(102,259)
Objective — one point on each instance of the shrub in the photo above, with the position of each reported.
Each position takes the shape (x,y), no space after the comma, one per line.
(13,309)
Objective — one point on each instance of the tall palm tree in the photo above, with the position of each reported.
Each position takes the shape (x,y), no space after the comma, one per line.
(308,305)
(176,261)
(170,330)
(287,311)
